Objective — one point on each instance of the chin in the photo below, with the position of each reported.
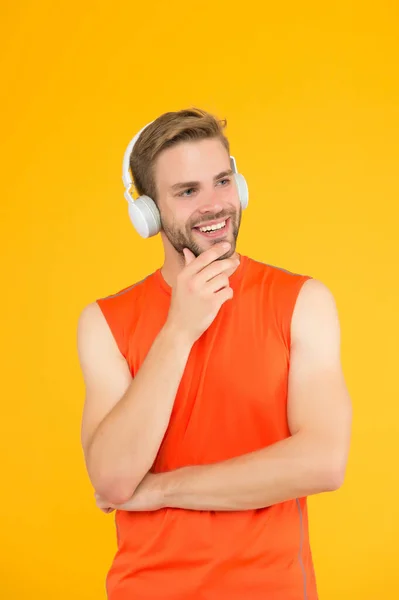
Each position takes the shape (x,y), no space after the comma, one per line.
(228,253)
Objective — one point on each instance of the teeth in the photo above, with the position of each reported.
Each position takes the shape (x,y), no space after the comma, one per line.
(213,227)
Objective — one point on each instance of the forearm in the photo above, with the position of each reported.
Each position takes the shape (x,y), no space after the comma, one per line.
(125,444)
(293,468)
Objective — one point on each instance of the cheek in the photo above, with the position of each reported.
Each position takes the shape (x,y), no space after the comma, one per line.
(231,196)
(176,217)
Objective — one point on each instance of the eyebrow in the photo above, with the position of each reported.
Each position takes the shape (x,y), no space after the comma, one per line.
(188,184)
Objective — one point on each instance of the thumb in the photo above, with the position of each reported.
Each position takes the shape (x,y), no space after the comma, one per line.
(188,256)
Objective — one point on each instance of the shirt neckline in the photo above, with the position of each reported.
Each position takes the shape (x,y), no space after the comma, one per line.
(234,279)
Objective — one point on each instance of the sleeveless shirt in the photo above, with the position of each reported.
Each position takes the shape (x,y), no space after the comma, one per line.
(232,400)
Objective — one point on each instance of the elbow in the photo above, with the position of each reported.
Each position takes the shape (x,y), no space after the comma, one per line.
(334,480)
(333,476)
(116,491)
(116,485)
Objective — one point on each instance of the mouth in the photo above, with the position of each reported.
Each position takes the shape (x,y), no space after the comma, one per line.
(214,229)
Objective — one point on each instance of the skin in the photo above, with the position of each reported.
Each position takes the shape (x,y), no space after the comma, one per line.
(311,461)
(124,421)
(183,209)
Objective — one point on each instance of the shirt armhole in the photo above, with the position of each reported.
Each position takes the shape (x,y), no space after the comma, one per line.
(114,323)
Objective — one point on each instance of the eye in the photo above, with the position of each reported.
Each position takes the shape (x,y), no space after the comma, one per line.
(183,194)
(226,181)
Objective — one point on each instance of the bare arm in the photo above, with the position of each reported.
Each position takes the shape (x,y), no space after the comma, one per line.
(124,420)
(312,460)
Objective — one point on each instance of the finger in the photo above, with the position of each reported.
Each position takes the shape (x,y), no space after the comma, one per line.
(207,257)
(225,266)
(224,294)
(217,283)
(188,256)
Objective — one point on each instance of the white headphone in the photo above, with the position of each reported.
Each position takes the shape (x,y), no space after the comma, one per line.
(143,211)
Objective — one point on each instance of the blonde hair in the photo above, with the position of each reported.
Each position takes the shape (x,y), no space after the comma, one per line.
(166,131)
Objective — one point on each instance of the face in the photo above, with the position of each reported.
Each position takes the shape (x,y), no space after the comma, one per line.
(197,197)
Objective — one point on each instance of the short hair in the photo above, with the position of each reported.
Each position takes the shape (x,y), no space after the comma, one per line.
(168,130)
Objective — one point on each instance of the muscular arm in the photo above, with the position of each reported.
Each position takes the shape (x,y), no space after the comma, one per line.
(124,420)
(312,460)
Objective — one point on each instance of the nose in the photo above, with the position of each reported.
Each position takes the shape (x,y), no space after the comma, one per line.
(211,205)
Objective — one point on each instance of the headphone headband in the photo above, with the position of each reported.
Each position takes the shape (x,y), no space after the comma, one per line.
(126,174)
(143,211)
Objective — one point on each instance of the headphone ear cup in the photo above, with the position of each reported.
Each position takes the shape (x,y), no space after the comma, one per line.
(144,215)
(242,188)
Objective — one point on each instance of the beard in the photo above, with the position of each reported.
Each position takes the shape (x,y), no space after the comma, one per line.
(184,237)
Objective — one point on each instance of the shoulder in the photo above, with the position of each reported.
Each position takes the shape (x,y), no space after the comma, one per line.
(315,316)
(93,331)
(315,291)
(119,307)
(315,299)
(90,317)
(283,284)
(275,272)
(124,295)
(306,304)
(104,321)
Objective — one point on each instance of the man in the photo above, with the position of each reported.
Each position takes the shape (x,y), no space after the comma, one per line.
(215,399)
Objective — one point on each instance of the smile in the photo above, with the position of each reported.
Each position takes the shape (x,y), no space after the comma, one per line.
(214,229)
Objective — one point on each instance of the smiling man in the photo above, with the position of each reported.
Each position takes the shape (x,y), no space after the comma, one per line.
(215,399)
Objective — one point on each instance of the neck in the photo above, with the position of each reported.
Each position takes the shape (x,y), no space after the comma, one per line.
(172,265)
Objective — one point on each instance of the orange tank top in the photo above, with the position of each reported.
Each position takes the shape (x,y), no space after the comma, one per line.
(232,399)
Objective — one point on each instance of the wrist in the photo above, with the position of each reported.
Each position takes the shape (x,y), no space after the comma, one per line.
(177,337)
(171,484)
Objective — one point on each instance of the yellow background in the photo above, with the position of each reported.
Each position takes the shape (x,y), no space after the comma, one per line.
(311,95)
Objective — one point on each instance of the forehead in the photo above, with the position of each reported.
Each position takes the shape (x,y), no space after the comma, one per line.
(191,161)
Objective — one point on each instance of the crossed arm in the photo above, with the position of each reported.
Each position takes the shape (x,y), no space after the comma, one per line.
(311,461)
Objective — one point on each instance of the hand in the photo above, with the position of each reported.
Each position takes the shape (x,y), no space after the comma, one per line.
(201,288)
(149,496)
